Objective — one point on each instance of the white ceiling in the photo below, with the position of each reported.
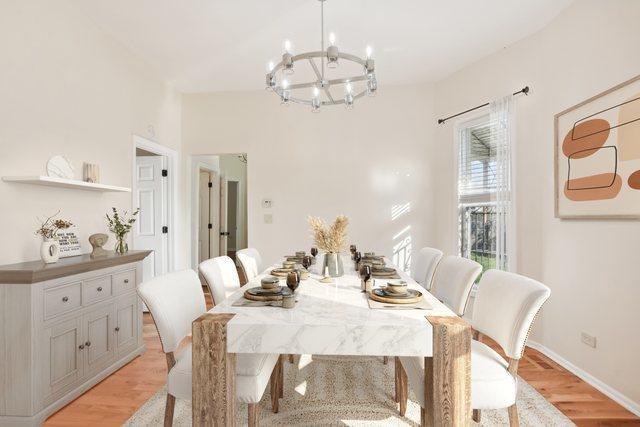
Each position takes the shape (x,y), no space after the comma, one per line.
(213,45)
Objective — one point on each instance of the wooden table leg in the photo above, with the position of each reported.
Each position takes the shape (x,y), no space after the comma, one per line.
(448,373)
(214,372)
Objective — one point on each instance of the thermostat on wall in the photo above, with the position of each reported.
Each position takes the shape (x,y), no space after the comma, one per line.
(267,203)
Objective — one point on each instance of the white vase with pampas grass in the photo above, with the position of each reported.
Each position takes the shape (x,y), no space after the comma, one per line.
(332,240)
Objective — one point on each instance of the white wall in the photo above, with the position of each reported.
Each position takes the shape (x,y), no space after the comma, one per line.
(67,88)
(359,163)
(591,266)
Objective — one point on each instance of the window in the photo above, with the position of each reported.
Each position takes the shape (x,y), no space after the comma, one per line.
(484,192)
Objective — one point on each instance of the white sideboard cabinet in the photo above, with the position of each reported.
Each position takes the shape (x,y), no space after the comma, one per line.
(63,328)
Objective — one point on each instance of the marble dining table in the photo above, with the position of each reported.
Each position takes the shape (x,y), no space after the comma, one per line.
(332,319)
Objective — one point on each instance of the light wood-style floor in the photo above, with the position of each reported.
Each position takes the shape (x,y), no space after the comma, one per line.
(114,400)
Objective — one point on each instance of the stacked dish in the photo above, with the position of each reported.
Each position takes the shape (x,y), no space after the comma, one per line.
(396,292)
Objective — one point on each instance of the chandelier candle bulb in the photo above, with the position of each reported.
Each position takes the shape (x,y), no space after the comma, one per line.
(286,46)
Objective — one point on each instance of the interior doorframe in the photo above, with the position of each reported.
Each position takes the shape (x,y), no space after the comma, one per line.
(172,157)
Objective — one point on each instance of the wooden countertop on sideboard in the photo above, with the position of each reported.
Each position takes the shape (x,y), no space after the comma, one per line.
(37,271)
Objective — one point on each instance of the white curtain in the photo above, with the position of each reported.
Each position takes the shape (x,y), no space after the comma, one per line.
(502,133)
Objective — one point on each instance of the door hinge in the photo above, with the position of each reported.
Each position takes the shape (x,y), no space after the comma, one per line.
(210,226)
(165,172)
(165,229)
(210,184)
(224,233)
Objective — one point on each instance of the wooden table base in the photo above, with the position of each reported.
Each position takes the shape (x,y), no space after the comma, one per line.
(214,372)
(447,374)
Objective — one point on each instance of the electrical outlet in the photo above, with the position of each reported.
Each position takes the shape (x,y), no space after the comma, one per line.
(587,339)
(268,218)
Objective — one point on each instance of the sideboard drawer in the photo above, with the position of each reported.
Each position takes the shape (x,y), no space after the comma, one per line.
(62,299)
(124,282)
(95,290)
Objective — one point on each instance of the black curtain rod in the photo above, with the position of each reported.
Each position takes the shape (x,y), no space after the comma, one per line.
(524,90)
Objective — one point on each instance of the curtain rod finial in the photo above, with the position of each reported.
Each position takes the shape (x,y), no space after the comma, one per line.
(525,90)
(440,121)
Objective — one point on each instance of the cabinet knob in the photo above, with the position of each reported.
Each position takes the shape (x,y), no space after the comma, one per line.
(99,288)
(81,346)
(117,328)
(65,299)
(126,280)
(88,343)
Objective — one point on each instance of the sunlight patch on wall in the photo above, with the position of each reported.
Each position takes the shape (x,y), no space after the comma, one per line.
(398,210)
(402,249)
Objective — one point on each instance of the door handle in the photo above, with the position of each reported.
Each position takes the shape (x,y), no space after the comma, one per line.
(88,344)
(117,328)
(81,346)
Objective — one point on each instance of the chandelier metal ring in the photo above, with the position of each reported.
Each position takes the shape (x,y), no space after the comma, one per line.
(332,55)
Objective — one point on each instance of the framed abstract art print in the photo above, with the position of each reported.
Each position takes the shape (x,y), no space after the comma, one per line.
(597,156)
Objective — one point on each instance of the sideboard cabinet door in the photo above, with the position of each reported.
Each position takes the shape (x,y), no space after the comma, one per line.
(127,324)
(61,352)
(99,344)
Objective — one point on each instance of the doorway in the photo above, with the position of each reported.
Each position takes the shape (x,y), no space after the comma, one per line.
(233,211)
(219,205)
(153,180)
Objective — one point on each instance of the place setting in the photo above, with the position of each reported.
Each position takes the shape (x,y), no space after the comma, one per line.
(271,293)
(390,293)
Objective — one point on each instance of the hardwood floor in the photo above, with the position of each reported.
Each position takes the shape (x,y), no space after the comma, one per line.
(115,399)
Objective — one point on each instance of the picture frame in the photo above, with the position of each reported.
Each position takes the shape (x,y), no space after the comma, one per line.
(69,244)
(597,156)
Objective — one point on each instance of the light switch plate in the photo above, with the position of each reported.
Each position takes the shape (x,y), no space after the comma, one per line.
(268,218)
(267,203)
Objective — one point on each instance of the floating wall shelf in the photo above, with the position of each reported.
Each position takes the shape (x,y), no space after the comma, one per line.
(64,183)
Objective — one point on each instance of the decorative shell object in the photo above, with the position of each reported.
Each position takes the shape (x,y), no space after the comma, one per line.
(60,167)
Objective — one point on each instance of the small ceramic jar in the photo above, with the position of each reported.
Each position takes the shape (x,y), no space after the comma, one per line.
(288,301)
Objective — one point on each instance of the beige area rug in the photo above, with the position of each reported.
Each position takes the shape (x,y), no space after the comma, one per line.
(347,391)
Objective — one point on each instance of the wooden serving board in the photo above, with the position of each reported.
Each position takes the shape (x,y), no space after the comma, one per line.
(261,294)
(411,297)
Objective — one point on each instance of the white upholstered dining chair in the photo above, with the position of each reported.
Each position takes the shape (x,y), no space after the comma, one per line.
(221,277)
(250,262)
(175,300)
(453,280)
(424,266)
(505,308)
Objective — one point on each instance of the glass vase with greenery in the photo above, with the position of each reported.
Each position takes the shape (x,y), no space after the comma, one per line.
(120,225)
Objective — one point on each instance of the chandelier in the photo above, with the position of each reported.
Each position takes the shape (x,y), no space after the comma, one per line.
(322,90)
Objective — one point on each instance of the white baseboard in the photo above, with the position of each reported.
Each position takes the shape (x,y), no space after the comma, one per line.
(609,391)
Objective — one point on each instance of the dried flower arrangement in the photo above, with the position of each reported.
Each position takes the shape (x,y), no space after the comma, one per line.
(49,228)
(332,238)
(120,225)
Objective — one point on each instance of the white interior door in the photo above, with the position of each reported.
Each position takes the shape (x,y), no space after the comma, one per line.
(151,199)
(224,233)
(204,229)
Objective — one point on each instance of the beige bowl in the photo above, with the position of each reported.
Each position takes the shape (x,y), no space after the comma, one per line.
(288,264)
(270,282)
(398,287)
